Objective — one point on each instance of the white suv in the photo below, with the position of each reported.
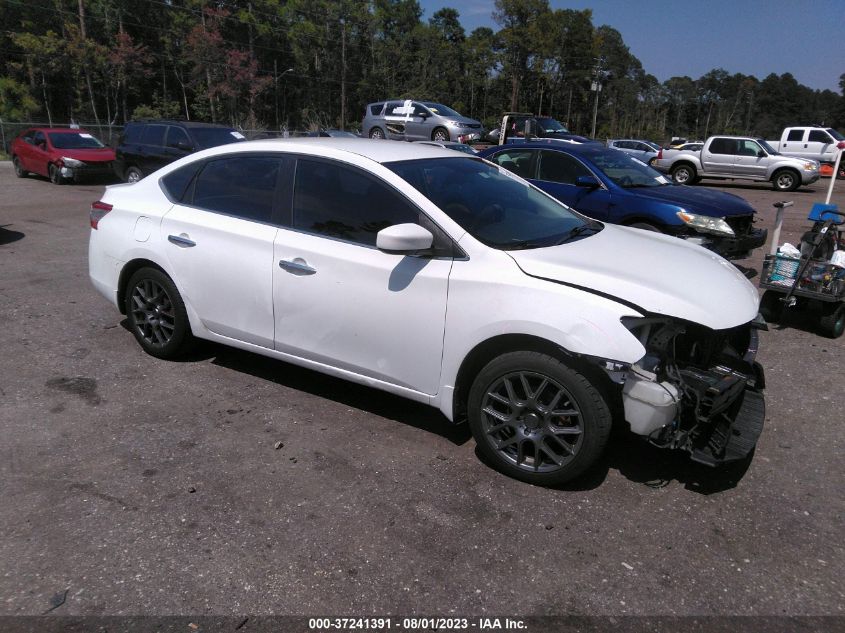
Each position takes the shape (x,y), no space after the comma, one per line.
(445,279)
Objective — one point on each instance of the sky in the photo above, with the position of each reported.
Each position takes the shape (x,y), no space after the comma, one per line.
(671,38)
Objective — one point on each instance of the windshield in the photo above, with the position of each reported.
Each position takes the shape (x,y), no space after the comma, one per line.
(440,109)
(653,145)
(214,136)
(492,204)
(626,171)
(550,126)
(73,140)
(835,134)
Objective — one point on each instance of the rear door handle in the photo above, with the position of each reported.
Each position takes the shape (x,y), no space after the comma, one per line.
(297,266)
(181,240)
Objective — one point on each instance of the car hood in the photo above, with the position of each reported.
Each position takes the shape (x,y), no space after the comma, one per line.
(658,273)
(462,120)
(103,154)
(697,199)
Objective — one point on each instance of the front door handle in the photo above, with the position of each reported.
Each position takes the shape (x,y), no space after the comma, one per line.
(297,266)
(181,240)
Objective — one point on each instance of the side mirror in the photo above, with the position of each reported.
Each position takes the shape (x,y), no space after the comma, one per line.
(184,146)
(424,115)
(404,238)
(761,154)
(587,181)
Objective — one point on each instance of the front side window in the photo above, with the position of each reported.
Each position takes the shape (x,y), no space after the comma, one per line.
(493,206)
(516,161)
(819,136)
(748,148)
(176,135)
(40,139)
(560,167)
(242,186)
(341,202)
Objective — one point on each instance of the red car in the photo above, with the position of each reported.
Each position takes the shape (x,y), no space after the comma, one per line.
(61,154)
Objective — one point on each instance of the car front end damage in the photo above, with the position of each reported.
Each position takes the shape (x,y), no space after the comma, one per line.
(732,237)
(695,389)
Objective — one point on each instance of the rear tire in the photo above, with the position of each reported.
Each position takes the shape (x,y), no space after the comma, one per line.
(786,180)
(133,175)
(684,174)
(157,315)
(377,133)
(537,420)
(771,307)
(832,321)
(20,172)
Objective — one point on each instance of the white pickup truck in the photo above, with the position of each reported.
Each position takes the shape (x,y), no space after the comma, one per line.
(739,158)
(816,143)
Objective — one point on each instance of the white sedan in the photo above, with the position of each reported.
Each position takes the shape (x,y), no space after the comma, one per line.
(444,279)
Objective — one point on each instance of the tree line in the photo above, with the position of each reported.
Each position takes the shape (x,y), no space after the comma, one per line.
(272,64)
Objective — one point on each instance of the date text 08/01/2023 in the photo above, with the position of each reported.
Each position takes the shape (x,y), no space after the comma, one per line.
(415,624)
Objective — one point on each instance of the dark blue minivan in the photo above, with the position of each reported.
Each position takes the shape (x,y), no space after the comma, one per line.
(612,186)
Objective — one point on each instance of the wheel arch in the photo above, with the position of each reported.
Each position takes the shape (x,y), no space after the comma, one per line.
(493,347)
(129,269)
(684,163)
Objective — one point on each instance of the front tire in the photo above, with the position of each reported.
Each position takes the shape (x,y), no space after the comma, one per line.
(537,420)
(20,172)
(771,306)
(786,180)
(377,133)
(157,315)
(55,175)
(440,134)
(684,174)
(133,175)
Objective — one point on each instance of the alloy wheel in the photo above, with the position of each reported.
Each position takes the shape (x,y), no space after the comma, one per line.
(532,421)
(152,312)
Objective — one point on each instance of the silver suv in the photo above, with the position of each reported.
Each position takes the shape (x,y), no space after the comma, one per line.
(417,121)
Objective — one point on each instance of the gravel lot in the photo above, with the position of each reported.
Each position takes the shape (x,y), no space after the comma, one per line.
(141,486)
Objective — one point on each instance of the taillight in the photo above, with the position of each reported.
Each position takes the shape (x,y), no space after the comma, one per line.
(98,211)
(660,154)
(840,145)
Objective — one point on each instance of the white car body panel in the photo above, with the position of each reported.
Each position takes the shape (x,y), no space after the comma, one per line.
(656,272)
(372,313)
(230,266)
(404,324)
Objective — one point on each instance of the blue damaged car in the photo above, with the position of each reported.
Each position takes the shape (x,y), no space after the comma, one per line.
(611,186)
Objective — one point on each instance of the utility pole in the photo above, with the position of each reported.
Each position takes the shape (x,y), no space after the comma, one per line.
(595,86)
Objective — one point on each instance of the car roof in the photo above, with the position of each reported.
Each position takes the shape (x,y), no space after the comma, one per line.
(52,130)
(380,151)
(585,149)
(188,124)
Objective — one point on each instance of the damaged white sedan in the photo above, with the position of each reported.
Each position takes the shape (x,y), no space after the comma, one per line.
(444,279)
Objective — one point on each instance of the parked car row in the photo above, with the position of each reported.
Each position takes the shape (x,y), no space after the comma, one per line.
(450,281)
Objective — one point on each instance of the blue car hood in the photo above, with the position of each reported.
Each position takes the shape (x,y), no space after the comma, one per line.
(697,200)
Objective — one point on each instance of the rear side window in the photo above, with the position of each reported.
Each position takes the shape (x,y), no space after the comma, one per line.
(560,167)
(176,183)
(795,135)
(241,186)
(343,203)
(376,109)
(516,161)
(154,135)
(723,146)
(819,136)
